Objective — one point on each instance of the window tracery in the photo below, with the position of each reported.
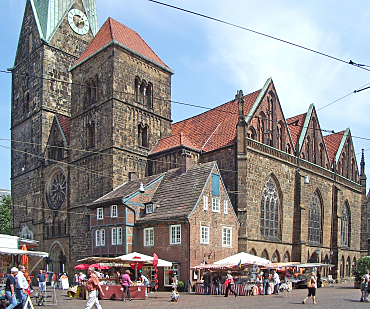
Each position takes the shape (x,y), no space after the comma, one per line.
(270,205)
(314,219)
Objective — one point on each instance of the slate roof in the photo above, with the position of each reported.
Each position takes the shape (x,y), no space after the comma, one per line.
(332,143)
(295,125)
(124,190)
(208,131)
(114,32)
(65,125)
(178,193)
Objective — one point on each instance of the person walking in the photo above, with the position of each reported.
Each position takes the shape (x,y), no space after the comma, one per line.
(41,279)
(207,283)
(10,288)
(266,283)
(276,282)
(312,286)
(216,282)
(230,283)
(126,282)
(93,286)
(21,286)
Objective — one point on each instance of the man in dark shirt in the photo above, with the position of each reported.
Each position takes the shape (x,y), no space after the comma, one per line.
(207,283)
(216,281)
(10,288)
(41,278)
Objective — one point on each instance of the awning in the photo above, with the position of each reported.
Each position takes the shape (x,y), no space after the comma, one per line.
(22,252)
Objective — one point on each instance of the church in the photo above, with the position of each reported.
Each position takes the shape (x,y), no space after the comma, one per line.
(91,110)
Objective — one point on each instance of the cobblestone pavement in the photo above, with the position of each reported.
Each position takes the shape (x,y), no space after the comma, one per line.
(333,296)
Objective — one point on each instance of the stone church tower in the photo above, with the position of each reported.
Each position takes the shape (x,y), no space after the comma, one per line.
(85,113)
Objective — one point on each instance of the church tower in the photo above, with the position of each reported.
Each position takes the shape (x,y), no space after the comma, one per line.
(53,36)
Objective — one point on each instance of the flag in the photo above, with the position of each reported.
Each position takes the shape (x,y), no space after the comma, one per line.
(240,263)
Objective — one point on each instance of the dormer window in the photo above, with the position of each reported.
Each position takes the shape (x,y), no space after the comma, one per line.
(149,208)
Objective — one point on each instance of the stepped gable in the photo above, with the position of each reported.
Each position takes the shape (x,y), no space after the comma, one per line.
(114,32)
(211,130)
(178,193)
(65,124)
(295,125)
(332,143)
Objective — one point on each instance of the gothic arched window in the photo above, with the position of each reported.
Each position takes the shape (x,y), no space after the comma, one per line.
(149,95)
(90,135)
(345,226)
(143,136)
(270,205)
(314,219)
(252,134)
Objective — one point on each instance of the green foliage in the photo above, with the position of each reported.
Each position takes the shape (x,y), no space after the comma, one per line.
(5,215)
(362,265)
(180,284)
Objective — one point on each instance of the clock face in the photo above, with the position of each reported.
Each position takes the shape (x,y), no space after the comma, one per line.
(78,21)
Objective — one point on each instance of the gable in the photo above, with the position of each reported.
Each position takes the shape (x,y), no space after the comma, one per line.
(50,14)
(59,137)
(310,141)
(113,32)
(266,122)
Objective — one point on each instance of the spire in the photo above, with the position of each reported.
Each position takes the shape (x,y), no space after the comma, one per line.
(362,164)
(240,98)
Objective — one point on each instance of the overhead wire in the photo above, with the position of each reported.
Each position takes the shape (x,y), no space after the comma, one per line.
(350,62)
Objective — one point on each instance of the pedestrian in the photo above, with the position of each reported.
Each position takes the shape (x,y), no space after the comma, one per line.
(312,286)
(266,282)
(276,282)
(93,287)
(216,282)
(229,282)
(174,283)
(363,289)
(145,281)
(207,282)
(126,282)
(10,288)
(41,279)
(21,286)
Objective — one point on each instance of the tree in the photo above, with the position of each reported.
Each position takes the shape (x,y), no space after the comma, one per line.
(5,215)
(362,267)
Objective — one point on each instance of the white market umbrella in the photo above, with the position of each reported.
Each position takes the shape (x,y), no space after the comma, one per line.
(143,258)
(244,258)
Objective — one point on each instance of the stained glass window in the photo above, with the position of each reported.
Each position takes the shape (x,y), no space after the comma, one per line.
(314,219)
(344,233)
(270,210)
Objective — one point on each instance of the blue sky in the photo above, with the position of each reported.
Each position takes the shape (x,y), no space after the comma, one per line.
(213,60)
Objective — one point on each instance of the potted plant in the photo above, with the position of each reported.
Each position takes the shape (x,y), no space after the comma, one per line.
(362,266)
(180,286)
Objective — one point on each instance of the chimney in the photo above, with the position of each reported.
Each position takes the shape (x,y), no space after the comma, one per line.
(187,161)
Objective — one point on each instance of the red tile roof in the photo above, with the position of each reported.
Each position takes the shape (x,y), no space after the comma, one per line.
(208,131)
(111,31)
(295,125)
(332,143)
(65,124)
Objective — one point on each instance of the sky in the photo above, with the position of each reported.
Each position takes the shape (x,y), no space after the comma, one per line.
(212,60)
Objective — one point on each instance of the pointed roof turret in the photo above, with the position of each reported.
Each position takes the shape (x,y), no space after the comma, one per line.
(50,13)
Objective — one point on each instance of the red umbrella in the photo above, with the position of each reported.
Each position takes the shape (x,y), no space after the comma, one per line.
(97,265)
(82,266)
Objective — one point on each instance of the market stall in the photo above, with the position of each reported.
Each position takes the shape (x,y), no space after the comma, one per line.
(133,261)
(244,268)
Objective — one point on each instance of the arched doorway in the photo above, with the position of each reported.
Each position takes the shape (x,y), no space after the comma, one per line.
(57,259)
